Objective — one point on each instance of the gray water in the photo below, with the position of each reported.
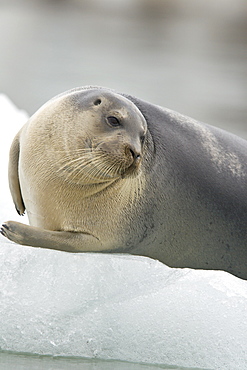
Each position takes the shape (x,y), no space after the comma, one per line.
(188,56)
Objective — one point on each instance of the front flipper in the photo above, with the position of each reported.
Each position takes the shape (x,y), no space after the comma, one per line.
(59,240)
(14,183)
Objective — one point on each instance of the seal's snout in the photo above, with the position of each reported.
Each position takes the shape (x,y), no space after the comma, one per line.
(134,156)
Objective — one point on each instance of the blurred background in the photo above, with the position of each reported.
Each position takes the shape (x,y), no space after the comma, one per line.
(187,55)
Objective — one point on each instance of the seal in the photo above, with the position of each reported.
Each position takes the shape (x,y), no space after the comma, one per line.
(100,171)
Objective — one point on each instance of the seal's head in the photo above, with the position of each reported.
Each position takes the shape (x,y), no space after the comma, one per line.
(108,137)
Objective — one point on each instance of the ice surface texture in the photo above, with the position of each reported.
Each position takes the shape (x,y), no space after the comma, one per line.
(114,306)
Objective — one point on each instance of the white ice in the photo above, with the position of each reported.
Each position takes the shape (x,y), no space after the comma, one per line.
(114,306)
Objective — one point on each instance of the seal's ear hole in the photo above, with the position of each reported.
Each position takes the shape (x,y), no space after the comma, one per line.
(97,102)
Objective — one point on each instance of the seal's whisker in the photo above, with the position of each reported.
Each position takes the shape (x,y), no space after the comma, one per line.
(72,151)
(90,169)
(102,168)
(91,166)
(67,164)
(108,168)
(72,158)
(85,166)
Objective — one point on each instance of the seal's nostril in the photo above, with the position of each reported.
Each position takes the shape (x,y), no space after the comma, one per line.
(134,154)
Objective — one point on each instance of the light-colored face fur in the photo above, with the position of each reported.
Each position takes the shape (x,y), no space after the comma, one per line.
(84,153)
(110,136)
(92,142)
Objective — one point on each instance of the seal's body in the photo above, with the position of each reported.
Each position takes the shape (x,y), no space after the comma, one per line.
(100,171)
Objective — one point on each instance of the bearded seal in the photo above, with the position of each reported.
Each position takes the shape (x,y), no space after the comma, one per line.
(100,171)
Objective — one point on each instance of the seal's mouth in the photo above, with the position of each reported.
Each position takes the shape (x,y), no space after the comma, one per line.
(121,166)
(133,169)
(117,160)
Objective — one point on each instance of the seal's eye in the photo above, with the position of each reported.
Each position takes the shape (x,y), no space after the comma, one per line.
(113,121)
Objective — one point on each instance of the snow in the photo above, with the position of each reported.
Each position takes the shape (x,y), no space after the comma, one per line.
(114,306)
